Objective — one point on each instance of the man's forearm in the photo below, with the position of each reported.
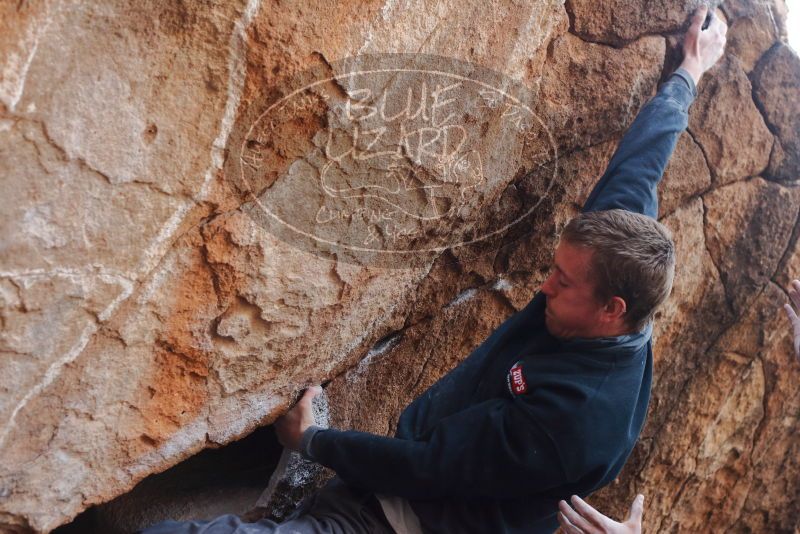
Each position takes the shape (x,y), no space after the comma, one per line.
(489,450)
(305,442)
(689,78)
(630,182)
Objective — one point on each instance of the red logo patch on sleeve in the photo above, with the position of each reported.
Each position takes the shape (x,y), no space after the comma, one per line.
(516,380)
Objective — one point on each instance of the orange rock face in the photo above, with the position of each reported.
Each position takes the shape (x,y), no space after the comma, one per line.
(207,208)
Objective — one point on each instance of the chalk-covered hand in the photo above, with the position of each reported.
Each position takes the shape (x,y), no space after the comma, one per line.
(291,425)
(583,519)
(702,48)
(793,310)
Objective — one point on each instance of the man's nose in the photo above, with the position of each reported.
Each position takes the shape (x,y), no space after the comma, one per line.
(547,286)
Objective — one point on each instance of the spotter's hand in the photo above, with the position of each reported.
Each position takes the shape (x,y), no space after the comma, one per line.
(792,311)
(581,518)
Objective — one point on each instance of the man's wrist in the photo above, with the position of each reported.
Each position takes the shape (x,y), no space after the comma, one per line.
(688,79)
(305,449)
(693,68)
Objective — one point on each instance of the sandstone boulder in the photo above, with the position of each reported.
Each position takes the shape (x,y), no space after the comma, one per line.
(776,86)
(151,308)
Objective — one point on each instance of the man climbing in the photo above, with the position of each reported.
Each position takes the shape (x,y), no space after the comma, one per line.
(581,518)
(552,402)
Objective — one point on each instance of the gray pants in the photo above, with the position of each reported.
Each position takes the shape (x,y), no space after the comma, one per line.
(334,509)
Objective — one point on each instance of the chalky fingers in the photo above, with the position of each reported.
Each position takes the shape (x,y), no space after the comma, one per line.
(578,522)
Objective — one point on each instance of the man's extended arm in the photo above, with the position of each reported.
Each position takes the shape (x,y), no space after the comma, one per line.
(494,449)
(631,180)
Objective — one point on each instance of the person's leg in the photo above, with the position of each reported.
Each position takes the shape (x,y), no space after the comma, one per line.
(334,509)
(351,510)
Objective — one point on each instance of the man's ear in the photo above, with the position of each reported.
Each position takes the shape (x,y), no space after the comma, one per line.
(615,308)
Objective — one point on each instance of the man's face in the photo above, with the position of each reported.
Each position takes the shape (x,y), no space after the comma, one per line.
(572,310)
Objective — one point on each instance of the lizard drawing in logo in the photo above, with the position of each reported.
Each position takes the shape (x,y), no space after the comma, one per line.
(425,181)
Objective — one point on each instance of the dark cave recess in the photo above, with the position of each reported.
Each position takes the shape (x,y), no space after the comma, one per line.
(211,483)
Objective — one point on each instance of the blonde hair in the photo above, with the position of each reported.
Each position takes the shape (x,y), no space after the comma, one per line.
(633,257)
